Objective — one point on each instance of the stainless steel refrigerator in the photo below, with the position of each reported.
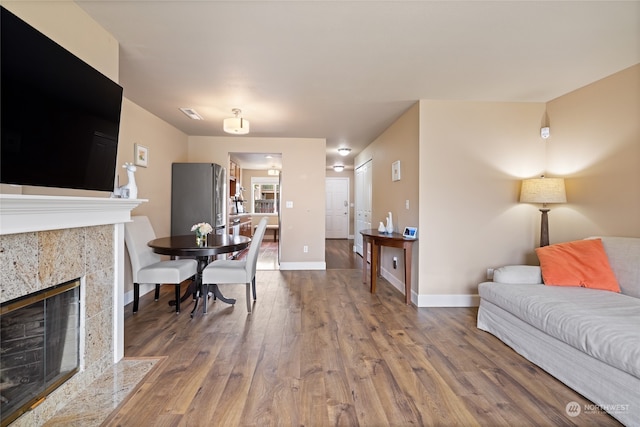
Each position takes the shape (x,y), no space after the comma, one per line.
(198,194)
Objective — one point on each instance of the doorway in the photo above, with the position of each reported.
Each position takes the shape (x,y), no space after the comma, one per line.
(337,208)
(258,186)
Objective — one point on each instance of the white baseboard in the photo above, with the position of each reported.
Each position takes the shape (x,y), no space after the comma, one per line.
(438,300)
(303,266)
(448,300)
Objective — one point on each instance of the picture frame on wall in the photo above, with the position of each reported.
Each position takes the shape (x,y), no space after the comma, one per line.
(141,155)
(395,171)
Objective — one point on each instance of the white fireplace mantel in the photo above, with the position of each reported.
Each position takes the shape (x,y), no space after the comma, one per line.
(20,213)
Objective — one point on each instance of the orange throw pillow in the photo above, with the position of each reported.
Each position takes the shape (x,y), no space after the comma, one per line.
(581,263)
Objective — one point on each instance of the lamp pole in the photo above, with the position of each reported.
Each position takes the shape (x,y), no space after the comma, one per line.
(544,228)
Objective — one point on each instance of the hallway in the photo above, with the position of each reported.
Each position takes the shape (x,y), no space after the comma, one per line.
(339,254)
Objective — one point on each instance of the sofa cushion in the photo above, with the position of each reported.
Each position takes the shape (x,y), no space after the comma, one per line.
(518,274)
(624,258)
(581,263)
(601,324)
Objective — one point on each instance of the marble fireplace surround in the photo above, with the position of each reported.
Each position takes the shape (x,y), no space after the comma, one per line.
(47,240)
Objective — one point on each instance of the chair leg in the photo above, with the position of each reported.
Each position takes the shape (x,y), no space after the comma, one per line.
(136,296)
(253,284)
(248,291)
(157,294)
(205,297)
(177,298)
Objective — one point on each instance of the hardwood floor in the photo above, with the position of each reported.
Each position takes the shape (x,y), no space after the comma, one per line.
(320,350)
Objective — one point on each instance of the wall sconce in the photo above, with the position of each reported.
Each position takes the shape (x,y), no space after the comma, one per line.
(543,190)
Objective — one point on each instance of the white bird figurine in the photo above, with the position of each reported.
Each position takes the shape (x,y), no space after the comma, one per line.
(390,223)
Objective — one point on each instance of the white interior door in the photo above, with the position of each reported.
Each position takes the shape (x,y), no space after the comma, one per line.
(337,208)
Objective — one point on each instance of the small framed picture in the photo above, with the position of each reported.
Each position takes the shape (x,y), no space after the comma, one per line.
(141,155)
(410,232)
(395,171)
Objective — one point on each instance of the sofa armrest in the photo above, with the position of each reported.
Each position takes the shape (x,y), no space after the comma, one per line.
(518,274)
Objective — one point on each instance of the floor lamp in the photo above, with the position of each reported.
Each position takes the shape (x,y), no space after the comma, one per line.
(543,190)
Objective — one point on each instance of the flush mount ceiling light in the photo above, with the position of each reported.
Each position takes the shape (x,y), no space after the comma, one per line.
(338,168)
(273,172)
(191,113)
(344,151)
(236,125)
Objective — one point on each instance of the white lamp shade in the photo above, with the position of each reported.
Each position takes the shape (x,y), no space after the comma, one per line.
(236,125)
(543,190)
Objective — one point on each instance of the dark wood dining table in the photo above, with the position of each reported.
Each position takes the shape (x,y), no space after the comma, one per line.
(186,246)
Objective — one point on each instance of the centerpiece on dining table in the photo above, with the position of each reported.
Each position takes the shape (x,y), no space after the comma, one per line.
(202,229)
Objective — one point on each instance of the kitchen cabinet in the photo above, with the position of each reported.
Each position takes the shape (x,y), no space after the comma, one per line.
(234,170)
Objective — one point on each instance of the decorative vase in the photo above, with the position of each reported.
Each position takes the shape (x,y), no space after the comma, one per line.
(389,224)
(381,228)
(201,240)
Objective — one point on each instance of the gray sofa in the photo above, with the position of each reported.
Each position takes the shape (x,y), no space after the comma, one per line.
(587,338)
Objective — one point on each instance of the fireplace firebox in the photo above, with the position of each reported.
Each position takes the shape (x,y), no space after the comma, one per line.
(39,347)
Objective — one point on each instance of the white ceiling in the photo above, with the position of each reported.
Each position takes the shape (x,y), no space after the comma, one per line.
(346,70)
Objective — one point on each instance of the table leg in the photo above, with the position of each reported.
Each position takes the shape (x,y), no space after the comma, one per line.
(375,255)
(218,295)
(407,273)
(365,251)
(197,288)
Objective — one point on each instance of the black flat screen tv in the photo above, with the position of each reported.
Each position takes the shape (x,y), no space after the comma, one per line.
(60,117)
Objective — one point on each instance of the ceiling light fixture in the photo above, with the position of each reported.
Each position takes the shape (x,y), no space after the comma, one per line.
(338,168)
(344,151)
(273,172)
(191,113)
(236,125)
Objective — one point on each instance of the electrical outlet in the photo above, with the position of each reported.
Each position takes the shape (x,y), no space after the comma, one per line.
(305,249)
(395,262)
(489,273)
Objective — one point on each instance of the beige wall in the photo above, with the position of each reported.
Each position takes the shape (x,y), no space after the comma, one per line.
(399,142)
(166,145)
(472,158)
(303,172)
(595,145)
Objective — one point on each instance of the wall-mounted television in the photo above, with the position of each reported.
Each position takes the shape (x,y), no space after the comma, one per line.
(60,117)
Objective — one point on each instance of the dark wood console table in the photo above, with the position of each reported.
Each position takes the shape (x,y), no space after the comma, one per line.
(394,240)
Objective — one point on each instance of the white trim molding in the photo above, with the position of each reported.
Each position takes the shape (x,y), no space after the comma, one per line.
(303,266)
(21,213)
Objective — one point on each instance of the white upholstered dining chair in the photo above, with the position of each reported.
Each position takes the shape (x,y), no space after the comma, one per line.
(227,271)
(148,267)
